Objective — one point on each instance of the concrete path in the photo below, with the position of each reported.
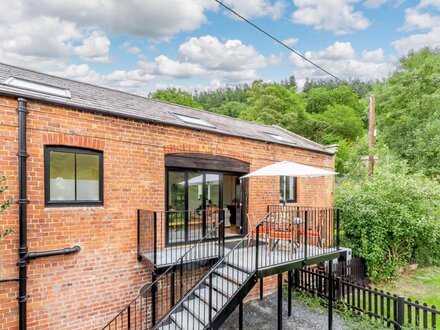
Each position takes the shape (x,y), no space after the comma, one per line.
(262,315)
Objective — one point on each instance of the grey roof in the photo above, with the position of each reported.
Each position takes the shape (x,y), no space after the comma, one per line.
(108,101)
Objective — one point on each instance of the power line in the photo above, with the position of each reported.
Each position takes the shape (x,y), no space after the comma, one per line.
(278,40)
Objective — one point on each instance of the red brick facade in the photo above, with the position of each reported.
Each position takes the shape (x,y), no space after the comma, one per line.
(85,290)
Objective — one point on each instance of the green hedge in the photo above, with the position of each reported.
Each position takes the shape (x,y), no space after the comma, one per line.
(391,220)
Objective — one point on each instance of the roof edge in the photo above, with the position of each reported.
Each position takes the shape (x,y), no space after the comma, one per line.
(316,144)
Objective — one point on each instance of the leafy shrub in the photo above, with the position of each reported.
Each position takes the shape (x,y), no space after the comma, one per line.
(4,205)
(390,220)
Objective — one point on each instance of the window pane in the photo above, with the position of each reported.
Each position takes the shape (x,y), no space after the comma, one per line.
(288,187)
(62,176)
(87,176)
(176,202)
(282,188)
(291,191)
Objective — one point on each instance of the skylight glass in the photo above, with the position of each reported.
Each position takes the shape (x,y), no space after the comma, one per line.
(194,120)
(279,137)
(37,87)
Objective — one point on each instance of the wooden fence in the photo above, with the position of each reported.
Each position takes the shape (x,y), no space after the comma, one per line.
(385,307)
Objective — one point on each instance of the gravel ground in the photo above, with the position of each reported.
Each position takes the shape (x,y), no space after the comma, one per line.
(262,315)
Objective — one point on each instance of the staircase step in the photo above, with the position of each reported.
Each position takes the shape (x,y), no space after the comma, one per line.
(222,285)
(186,321)
(199,309)
(218,300)
(232,274)
(169,326)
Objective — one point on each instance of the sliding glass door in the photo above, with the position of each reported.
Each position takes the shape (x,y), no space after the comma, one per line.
(193,201)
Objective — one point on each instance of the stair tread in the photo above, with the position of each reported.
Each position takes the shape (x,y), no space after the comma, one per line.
(186,321)
(222,285)
(232,273)
(218,300)
(198,308)
(169,326)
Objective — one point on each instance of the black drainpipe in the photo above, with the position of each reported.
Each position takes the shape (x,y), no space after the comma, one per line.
(24,256)
(22,212)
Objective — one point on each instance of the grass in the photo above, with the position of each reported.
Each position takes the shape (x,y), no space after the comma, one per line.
(422,284)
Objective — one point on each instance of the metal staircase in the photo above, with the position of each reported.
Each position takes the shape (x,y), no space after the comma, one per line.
(209,303)
(158,297)
(200,292)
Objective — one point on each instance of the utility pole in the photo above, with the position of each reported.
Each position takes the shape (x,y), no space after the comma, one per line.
(371,138)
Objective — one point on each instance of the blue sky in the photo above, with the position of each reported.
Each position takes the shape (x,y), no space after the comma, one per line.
(139,46)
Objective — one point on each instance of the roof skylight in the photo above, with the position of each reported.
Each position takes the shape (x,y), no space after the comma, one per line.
(37,87)
(279,137)
(194,120)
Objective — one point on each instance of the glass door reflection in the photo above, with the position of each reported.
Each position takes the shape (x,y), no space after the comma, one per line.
(193,204)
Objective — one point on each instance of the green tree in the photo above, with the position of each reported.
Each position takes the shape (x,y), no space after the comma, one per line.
(273,104)
(408,111)
(340,122)
(176,96)
(231,109)
(391,219)
(4,206)
(213,100)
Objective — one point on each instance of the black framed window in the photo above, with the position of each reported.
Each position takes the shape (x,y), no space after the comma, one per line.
(287,189)
(73,176)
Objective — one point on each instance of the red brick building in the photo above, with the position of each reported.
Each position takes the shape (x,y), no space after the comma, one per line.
(94,157)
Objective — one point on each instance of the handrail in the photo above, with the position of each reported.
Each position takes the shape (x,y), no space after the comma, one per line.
(168,270)
(213,268)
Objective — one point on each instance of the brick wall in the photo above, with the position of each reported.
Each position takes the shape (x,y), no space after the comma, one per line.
(85,290)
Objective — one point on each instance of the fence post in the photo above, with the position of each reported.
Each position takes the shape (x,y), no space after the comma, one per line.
(172,290)
(296,278)
(306,228)
(257,246)
(153,301)
(129,318)
(280,301)
(400,312)
(139,258)
(338,288)
(210,300)
(289,293)
(155,237)
(338,236)
(330,295)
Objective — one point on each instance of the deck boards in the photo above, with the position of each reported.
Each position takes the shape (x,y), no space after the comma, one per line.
(244,256)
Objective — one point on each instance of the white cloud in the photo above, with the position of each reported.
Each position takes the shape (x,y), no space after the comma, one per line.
(210,53)
(425,16)
(94,48)
(148,18)
(341,60)
(257,8)
(418,41)
(167,67)
(422,16)
(291,41)
(131,49)
(373,55)
(374,3)
(230,62)
(337,16)
(31,38)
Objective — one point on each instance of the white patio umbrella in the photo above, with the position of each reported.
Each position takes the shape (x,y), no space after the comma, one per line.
(287,168)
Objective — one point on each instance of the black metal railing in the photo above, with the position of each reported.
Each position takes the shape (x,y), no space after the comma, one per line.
(164,236)
(204,282)
(158,297)
(213,295)
(383,307)
(293,233)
